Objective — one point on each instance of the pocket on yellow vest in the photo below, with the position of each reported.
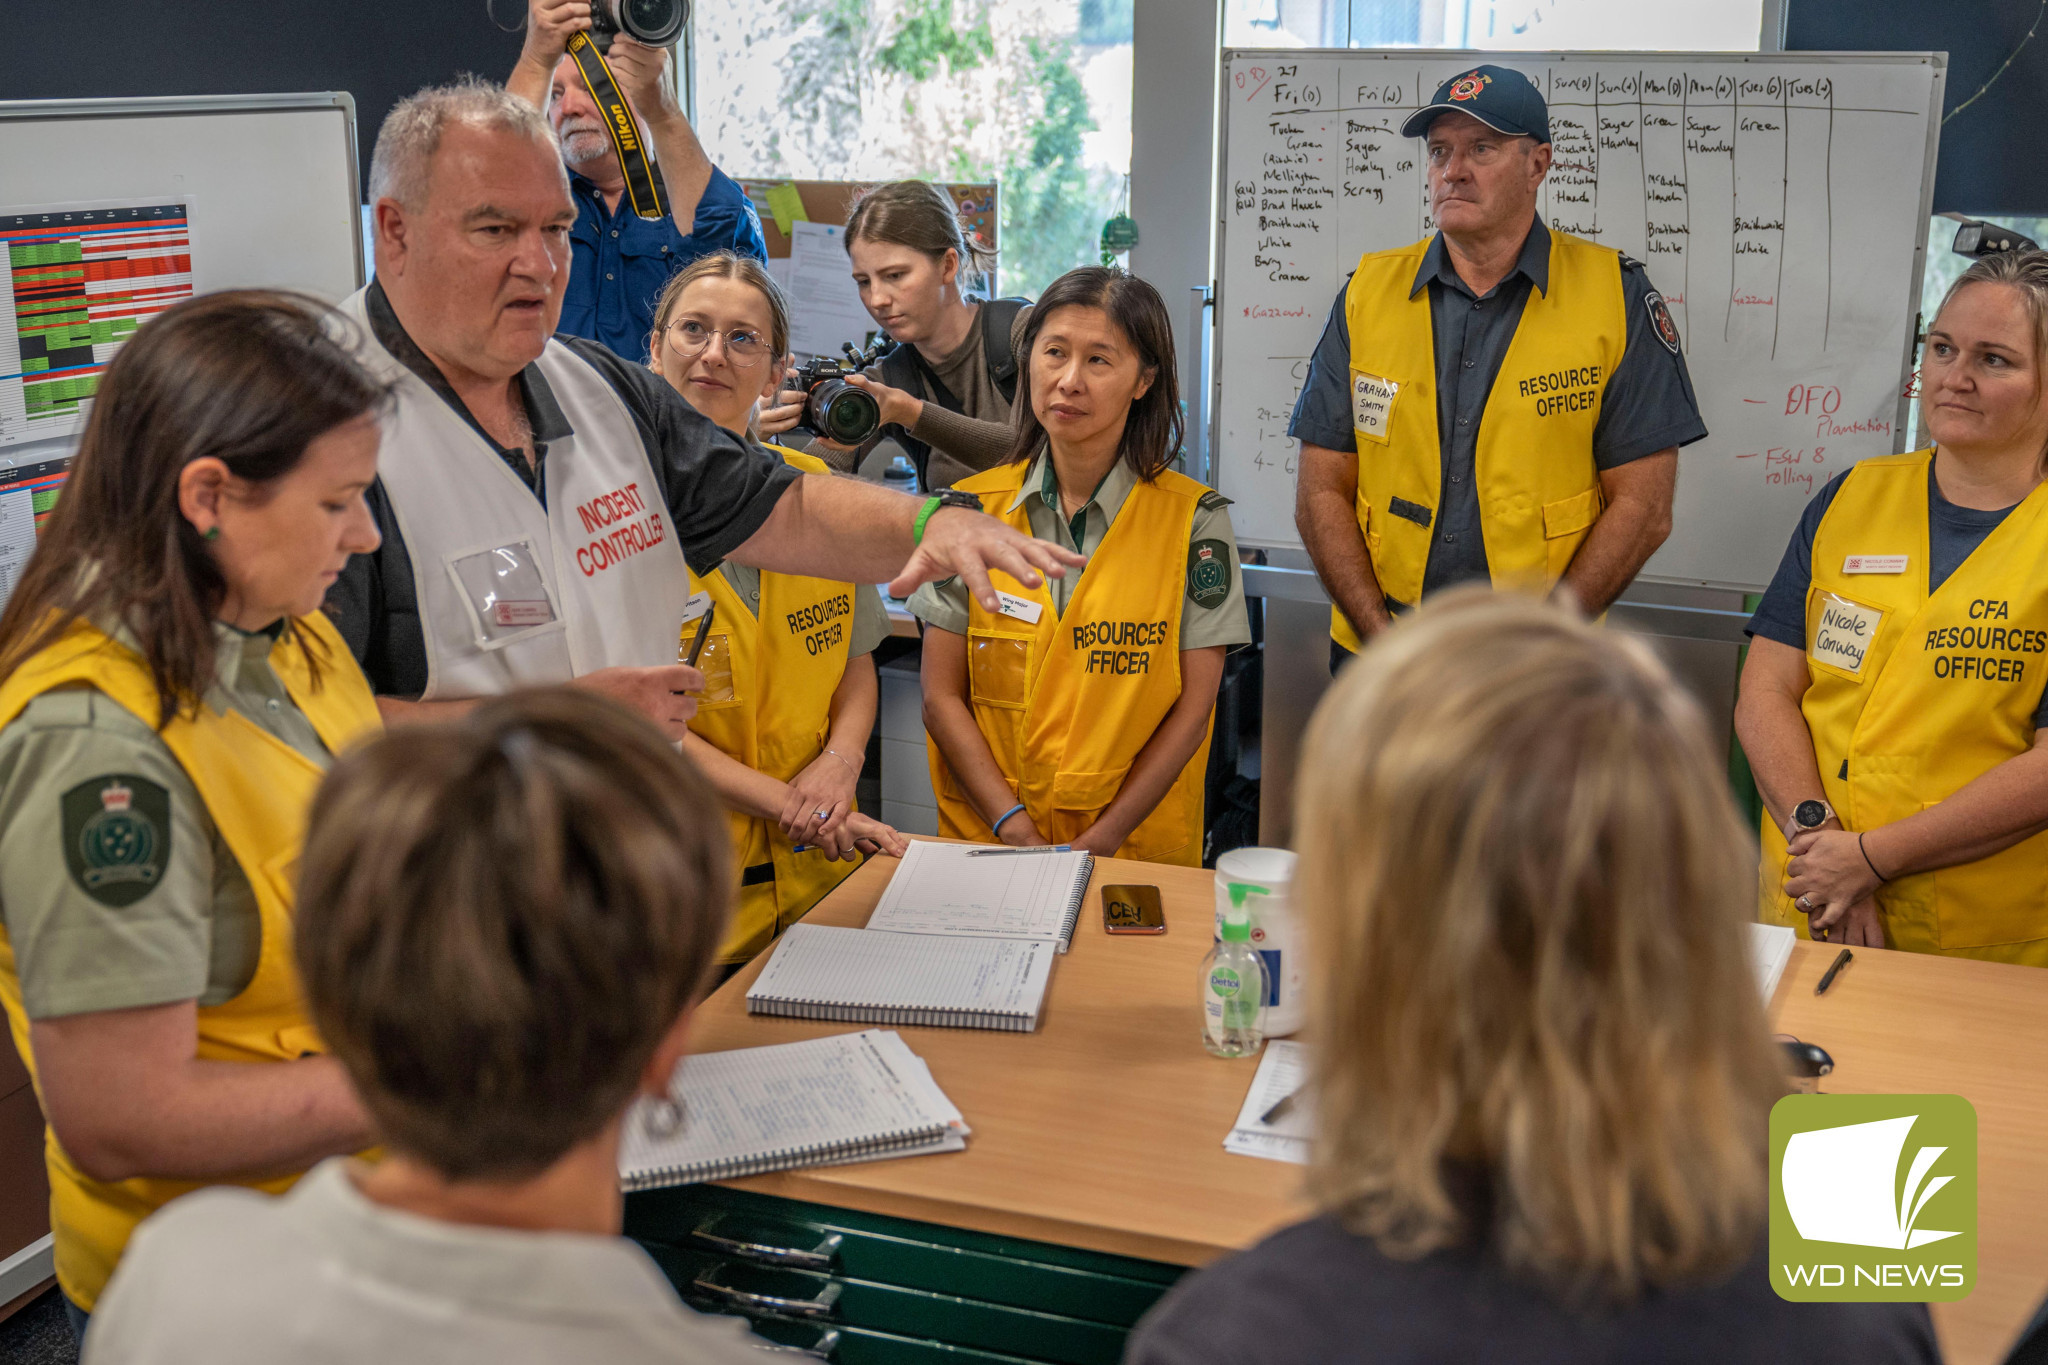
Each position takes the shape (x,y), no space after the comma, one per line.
(1566,524)
(715,663)
(1993,901)
(998,668)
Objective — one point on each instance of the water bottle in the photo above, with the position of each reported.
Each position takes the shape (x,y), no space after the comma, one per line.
(1234,986)
(900,475)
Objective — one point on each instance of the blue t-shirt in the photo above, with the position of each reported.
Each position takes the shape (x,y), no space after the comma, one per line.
(1647,406)
(619,261)
(1953,533)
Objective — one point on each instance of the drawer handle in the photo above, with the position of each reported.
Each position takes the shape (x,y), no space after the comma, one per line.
(819,1257)
(822,1348)
(821,1306)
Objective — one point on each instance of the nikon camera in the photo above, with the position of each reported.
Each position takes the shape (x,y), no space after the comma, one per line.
(835,409)
(651,23)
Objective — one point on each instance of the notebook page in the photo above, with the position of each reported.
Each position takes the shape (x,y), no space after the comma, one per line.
(1283,1070)
(842,1090)
(828,965)
(1770,948)
(939,889)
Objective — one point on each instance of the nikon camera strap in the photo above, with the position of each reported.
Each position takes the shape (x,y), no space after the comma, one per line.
(642,192)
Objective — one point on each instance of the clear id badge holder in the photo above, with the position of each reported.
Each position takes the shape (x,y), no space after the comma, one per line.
(507,594)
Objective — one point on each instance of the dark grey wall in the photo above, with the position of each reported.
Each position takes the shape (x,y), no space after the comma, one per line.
(377,50)
(1994,156)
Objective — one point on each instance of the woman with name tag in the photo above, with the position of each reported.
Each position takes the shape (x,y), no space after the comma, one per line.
(789,676)
(1898,672)
(947,389)
(1080,714)
(172,696)
(1542,1079)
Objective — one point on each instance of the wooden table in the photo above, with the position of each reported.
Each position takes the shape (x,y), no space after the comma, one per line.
(1104,1129)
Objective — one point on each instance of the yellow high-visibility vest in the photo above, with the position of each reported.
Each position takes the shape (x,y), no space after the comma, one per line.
(257,789)
(1067,702)
(1539,490)
(1915,695)
(767,703)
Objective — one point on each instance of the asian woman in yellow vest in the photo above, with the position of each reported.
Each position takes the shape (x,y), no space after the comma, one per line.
(1080,712)
(1895,682)
(170,696)
(790,692)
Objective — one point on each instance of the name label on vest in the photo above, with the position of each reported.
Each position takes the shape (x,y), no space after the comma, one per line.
(698,604)
(1842,637)
(1372,404)
(1022,608)
(1875,564)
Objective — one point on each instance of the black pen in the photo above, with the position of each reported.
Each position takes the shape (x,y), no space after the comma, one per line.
(1827,978)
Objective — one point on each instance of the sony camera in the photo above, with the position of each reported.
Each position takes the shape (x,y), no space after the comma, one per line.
(833,408)
(651,23)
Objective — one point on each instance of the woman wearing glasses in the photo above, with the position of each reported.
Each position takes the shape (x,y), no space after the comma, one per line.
(790,693)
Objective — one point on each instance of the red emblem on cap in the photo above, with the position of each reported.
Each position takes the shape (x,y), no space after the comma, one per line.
(1469,87)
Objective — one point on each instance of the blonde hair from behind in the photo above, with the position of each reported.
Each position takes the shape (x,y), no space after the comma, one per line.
(1527,887)
(727,265)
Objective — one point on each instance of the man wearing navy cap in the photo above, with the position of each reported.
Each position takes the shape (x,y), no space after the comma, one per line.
(1498,403)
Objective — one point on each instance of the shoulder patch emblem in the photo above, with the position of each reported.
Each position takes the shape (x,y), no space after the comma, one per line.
(1208,573)
(1211,501)
(117,837)
(1660,320)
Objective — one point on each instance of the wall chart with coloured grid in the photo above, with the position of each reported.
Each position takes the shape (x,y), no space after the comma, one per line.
(75,283)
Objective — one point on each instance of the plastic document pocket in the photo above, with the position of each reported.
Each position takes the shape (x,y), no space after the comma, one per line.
(998,668)
(508,596)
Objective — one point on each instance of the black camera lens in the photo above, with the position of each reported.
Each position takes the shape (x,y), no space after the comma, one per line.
(655,23)
(840,412)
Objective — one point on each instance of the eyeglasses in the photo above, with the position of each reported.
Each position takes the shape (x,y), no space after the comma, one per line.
(745,347)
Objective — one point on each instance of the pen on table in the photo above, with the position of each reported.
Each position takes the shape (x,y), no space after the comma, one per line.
(1040,848)
(1280,1107)
(1827,978)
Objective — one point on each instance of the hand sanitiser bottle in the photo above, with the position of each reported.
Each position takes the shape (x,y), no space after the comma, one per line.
(1234,985)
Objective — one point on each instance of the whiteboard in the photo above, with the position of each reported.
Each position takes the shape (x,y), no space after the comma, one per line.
(1780,202)
(269,183)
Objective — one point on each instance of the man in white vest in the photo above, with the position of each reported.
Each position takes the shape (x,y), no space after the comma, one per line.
(538,496)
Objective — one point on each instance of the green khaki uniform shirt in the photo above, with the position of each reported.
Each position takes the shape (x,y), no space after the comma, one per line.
(1221,622)
(192,935)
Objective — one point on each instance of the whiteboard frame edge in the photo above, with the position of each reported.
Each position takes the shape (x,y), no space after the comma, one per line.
(1902,436)
(159,105)
(1937,60)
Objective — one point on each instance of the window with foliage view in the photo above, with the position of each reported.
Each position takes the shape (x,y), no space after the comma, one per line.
(1032,94)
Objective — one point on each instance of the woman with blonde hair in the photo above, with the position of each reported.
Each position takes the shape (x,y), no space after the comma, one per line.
(1895,682)
(790,692)
(1542,1074)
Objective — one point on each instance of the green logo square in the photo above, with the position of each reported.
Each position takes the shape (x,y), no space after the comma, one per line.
(1873,1198)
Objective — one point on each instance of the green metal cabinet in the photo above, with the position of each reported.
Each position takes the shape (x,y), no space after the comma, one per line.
(865,1289)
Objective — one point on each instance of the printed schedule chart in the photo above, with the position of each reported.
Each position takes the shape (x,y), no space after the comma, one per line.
(75,284)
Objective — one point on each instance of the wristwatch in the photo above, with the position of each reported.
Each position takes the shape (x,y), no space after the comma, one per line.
(953,497)
(1809,815)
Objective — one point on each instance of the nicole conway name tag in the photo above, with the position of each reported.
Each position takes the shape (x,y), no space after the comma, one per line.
(1874,564)
(1843,635)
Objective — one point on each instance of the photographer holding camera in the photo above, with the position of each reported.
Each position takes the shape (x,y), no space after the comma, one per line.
(944,392)
(621,261)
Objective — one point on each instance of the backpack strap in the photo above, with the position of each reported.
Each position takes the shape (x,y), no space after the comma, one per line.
(998,319)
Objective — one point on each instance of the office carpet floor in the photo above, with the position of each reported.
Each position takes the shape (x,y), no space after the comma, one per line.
(39,1334)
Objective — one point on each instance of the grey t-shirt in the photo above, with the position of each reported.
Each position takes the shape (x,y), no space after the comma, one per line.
(1314,1292)
(323,1275)
(190,930)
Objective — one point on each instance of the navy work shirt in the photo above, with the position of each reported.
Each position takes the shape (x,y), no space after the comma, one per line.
(1648,404)
(619,261)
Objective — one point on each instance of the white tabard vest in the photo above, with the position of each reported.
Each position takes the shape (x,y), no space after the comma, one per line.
(513,594)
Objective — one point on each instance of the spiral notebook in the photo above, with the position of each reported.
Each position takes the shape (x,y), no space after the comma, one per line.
(851,1097)
(870,976)
(985,891)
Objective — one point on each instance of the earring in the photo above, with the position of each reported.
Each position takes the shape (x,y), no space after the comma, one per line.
(211,533)
(664,1117)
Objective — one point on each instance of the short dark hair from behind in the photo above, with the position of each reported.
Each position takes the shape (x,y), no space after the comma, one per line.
(500,919)
(1155,429)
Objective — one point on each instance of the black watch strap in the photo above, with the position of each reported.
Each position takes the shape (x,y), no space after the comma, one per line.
(953,497)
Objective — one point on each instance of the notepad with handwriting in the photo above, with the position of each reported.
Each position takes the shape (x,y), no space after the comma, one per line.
(947,889)
(870,977)
(852,1097)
